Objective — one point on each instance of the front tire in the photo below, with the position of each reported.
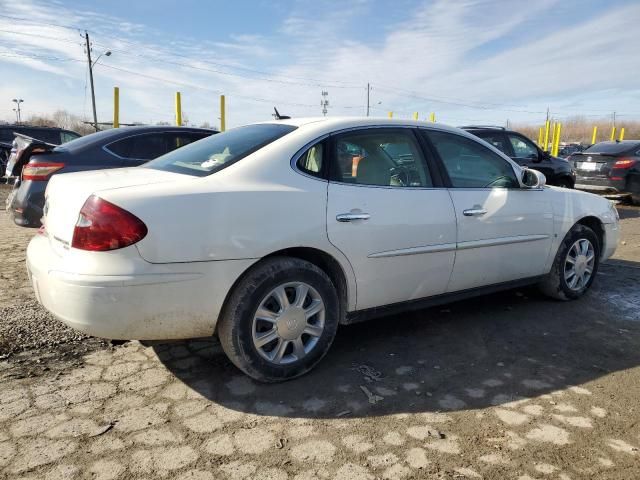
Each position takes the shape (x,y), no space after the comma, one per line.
(575,265)
(280,320)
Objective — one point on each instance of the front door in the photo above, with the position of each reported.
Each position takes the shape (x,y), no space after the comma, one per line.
(388,217)
(504,231)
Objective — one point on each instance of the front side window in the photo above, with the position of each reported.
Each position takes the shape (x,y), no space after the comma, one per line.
(471,165)
(379,156)
(220,150)
(68,136)
(522,147)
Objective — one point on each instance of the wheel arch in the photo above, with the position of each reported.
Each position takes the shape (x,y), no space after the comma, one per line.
(595,224)
(323,260)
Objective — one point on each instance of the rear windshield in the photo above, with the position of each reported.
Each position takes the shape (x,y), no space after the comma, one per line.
(611,148)
(211,154)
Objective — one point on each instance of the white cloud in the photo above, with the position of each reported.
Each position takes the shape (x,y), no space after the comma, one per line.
(449,53)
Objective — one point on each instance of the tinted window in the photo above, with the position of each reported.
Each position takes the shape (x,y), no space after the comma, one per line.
(496,139)
(471,165)
(217,151)
(611,147)
(311,161)
(381,156)
(6,135)
(522,147)
(48,136)
(68,136)
(142,147)
(178,140)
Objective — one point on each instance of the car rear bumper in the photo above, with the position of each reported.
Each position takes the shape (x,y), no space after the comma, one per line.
(600,185)
(159,302)
(26,202)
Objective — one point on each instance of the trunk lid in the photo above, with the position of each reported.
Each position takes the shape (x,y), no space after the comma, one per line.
(66,194)
(593,165)
(23,147)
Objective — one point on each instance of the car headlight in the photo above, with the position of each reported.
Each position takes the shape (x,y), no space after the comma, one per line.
(614,210)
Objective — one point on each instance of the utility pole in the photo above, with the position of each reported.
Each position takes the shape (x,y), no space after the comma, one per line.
(324,103)
(368,92)
(93,93)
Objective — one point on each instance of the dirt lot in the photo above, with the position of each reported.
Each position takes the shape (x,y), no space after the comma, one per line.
(509,386)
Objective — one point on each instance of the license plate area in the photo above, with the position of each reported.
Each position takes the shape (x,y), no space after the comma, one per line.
(589,166)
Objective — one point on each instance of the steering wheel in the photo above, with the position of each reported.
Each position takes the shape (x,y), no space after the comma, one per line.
(401,175)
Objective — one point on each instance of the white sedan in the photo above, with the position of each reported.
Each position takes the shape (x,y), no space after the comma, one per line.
(271,235)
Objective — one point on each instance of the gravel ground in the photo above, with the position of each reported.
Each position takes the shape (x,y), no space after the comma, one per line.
(506,386)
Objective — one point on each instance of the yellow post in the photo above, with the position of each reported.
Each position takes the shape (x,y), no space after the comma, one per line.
(540,137)
(545,147)
(622,134)
(593,136)
(390,114)
(553,136)
(415,115)
(116,107)
(432,117)
(178,110)
(556,145)
(223,114)
(613,133)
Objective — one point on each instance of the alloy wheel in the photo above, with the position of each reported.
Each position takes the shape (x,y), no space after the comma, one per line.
(579,263)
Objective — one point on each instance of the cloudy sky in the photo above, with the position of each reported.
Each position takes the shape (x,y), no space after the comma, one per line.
(469,61)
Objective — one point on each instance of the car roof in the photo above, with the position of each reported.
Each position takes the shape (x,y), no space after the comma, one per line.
(337,123)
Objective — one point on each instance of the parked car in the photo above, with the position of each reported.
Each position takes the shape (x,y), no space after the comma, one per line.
(52,135)
(567,150)
(265,237)
(35,162)
(527,154)
(609,168)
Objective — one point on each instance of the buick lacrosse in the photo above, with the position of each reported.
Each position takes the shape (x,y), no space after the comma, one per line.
(271,235)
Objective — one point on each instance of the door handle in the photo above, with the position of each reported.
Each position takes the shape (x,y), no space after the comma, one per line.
(350,217)
(474,212)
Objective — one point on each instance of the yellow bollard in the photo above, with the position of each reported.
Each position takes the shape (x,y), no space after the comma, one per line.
(116,107)
(553,136)
(593,136)
(540,137)
(556,145)
(415,115)
(545,147)
(432,117)
(621,134)
(223,114)
(178,110)
(613,133)
(390,114)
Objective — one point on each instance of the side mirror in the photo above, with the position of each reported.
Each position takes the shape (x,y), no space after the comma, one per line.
(533,178)
(535,158)
(546,155)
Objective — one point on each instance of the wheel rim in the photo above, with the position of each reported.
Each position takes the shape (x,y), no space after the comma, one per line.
(288,323)
(579,263)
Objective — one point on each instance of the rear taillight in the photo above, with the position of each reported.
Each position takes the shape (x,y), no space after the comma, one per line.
(40,171)
(625,163)
(103,226)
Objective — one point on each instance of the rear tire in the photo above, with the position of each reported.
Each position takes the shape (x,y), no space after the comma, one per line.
(280,320)
(575,265)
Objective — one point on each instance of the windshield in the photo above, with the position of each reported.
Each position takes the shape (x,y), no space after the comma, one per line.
(611,147)
(211,154)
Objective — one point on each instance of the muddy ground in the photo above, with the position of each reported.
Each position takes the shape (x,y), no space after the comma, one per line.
(508,386)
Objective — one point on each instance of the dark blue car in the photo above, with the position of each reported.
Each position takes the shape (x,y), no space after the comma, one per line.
(33,162)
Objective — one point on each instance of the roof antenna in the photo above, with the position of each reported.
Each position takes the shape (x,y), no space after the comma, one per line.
(277,115)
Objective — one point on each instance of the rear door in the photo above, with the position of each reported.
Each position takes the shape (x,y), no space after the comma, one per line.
(389,216)
(504,231)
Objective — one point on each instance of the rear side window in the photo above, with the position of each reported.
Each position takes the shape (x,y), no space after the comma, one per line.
(312,161)
(142,147)
(218,151)
(471,165)
(498,140)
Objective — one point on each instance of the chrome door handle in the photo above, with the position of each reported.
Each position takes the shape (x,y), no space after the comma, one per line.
(474,212)
(350,217)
